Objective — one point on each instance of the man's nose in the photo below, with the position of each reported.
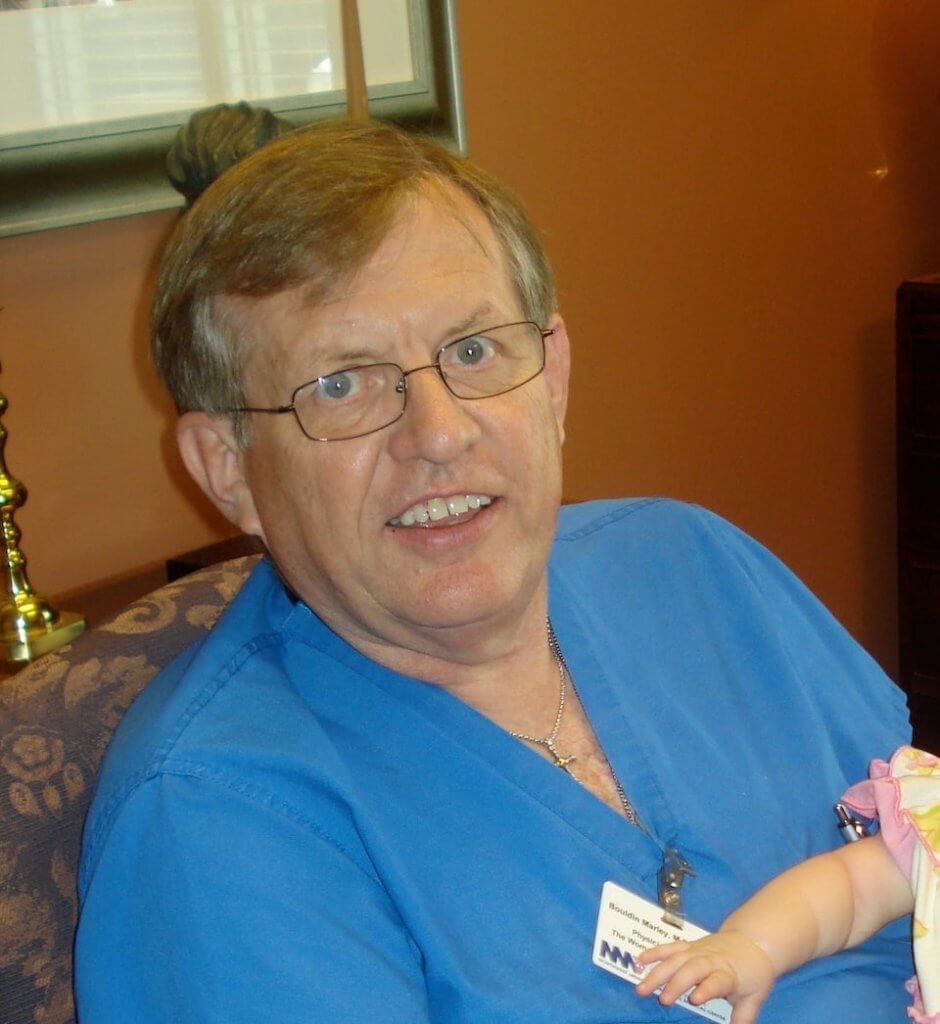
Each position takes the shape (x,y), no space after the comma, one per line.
(436,425)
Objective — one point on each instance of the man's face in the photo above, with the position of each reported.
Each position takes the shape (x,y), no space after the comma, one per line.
(328,511)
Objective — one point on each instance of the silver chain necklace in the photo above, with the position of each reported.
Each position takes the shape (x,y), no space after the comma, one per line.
(561,760)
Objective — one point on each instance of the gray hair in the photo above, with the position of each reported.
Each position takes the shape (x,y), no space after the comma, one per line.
(308,209)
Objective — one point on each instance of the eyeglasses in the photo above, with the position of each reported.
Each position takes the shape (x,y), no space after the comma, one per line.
(360,400)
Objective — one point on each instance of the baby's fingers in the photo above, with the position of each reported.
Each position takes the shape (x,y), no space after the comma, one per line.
(671,956)
(661,972)
(667,949)
(700,974)
(719,981)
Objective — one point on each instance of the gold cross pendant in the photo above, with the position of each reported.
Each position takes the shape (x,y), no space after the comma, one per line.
(562,762)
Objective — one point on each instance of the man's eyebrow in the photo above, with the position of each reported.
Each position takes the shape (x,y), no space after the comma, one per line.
(349,356)
(358,356)
(475,319)
(324,362)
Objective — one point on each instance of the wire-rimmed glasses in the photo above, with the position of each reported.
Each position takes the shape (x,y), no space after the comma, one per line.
(359,400)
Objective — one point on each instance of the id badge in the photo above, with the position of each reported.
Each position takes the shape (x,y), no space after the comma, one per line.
(626,925)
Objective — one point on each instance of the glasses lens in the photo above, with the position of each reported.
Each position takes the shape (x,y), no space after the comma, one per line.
(350,402)
(493,361)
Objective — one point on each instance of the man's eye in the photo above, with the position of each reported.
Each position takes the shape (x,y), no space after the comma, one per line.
(339,385)
(472,351)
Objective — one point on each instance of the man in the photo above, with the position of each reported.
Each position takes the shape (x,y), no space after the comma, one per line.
(392,782)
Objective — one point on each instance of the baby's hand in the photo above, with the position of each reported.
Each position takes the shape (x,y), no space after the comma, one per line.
(725,964)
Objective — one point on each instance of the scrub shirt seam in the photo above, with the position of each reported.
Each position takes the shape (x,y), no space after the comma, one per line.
(472,752)
(203,773)
(615,515)
(259,794)
(234,665)
(153,766)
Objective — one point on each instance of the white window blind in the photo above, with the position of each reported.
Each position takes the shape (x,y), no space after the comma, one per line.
(77,64)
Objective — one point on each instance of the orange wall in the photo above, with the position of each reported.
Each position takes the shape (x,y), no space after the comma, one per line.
(730,193)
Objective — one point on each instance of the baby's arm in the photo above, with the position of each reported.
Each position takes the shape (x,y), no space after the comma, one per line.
(825,904)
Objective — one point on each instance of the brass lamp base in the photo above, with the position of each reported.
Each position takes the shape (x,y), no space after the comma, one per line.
(31,643)
(29,625)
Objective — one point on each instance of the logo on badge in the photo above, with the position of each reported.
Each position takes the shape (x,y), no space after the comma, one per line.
(617,956)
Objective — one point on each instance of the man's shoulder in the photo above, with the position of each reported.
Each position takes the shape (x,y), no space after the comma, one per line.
(231,719)
(187,700)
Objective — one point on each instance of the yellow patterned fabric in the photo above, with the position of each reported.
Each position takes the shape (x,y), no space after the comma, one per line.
(56,718)
(904,794)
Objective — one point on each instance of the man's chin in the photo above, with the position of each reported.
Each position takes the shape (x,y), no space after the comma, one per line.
(464,598)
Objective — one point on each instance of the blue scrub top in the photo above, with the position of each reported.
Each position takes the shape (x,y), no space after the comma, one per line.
(284,830)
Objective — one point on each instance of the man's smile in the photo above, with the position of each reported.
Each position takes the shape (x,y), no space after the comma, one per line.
(438,509)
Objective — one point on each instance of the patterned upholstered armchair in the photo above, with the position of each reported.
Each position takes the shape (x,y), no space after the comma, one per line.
(56,718)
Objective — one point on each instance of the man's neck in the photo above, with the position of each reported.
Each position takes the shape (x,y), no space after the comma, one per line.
(503,668)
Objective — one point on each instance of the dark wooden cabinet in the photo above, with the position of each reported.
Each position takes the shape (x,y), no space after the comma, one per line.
(918,429)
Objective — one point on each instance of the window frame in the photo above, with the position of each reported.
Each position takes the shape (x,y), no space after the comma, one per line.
(106,170)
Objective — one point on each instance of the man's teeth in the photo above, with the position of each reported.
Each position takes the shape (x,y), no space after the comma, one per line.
(440,508)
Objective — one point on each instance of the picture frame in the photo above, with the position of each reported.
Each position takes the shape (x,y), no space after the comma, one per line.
(66,174)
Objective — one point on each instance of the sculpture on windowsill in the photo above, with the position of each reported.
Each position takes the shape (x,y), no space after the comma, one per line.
(214,139)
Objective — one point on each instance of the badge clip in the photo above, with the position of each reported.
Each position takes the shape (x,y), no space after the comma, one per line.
(673,872)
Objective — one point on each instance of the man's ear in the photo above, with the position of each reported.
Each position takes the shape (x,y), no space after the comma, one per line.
(558,368)
(214,460)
